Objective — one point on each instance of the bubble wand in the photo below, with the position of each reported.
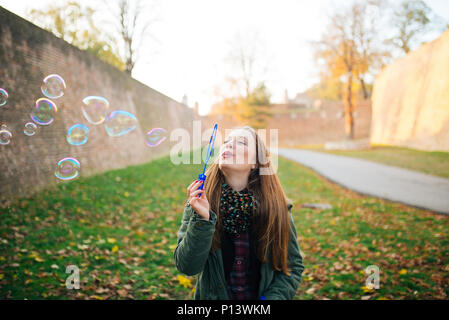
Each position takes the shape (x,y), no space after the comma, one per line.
(210,148)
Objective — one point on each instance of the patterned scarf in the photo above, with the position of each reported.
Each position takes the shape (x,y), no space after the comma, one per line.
(236,208)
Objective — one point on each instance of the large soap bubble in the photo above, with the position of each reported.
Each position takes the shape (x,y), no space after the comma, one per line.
(120,122)
(53,86)
(77,134)
(5,135)
(67,169)
(45,112)
(95,109)
(155,137)
(3,97)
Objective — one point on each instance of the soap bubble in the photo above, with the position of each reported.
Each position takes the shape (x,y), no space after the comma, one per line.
(5,136)
(3,97)
(77,134)
(45,112)
(67,169)
(155,137)
(53,86)
(120,122)
(30,129)
(95,109)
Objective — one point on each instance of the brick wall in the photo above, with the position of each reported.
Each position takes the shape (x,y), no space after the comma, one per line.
(309,126)
(27,55)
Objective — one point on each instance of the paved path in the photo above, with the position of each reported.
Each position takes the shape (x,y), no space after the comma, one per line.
(379,180)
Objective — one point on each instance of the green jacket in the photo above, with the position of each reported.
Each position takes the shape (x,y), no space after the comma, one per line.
(192,256)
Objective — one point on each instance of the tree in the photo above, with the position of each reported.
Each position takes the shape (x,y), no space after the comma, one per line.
(329,88)
(254,110)
(349,50)
(411,19)
(249,104)
(247,62)
(76,25)
(132,20)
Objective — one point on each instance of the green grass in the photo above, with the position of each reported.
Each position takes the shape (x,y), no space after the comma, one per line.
(120,229)
(430,162)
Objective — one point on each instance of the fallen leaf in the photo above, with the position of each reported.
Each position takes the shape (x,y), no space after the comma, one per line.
(122,292)
(185,282)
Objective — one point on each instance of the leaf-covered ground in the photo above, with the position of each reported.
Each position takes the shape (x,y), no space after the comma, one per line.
(120,229)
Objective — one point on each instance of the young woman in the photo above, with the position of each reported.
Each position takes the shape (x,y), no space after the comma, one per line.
(239,235)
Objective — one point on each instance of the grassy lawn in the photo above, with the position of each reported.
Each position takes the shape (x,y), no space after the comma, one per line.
(433,162)
(120,229)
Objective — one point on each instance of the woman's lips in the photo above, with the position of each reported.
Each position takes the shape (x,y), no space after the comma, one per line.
(226,154)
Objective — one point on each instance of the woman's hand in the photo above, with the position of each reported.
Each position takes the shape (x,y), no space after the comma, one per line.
(199,204)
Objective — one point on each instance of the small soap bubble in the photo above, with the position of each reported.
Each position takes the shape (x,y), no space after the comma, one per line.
(67,169)
(155,137)
(45,112)
(53,86)
(95,109)
(3,97)
(30,129)
(120,122)
(77,134)
(5,135)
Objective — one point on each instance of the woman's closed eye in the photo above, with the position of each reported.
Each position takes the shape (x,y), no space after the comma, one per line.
(240,141)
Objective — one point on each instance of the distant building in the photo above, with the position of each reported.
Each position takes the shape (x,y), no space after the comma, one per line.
(301,100)
(184,100)
(196,108)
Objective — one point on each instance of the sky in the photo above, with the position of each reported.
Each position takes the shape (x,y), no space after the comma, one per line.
(192,40)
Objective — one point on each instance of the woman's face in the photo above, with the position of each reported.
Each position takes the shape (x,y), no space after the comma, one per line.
(238,152)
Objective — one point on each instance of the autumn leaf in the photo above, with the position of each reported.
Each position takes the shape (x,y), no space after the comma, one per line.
(402,272)
(34,255)
(185,282)
(112,240)
(122,292)
(366,289)
(114,248)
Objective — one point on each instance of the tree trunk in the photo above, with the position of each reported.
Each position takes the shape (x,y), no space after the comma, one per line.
(365,94)
(349,120)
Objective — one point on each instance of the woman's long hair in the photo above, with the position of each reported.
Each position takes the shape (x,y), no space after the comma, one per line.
(271,221)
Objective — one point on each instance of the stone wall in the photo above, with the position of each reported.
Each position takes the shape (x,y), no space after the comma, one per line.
(27,55)
(411,99)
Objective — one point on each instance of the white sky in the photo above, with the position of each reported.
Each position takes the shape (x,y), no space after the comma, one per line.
(194,40)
